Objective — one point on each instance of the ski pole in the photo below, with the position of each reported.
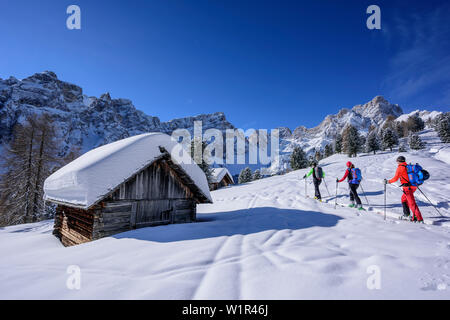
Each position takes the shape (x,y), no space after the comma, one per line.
(327,188)
(306,192)
(430,202)
(335,199)
(364,194)
(385,200)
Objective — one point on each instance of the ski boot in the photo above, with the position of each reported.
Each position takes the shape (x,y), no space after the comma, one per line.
(414,219)
(351,205)
(360,208)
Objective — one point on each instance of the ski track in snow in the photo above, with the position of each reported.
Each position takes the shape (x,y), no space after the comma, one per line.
(261,240)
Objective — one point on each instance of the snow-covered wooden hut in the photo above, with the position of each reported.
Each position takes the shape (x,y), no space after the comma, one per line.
(142,181)
(220,177)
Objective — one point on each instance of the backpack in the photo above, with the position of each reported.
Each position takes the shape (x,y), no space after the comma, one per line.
(318,173)
(356,176)
(416,174)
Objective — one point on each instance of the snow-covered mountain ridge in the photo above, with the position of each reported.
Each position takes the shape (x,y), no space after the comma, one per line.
(88,122)
(84,122)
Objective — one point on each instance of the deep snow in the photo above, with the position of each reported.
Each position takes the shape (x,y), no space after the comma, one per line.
(261,240)
(89,178)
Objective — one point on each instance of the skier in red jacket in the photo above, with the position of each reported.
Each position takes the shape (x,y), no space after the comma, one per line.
(408,201)
(353,185)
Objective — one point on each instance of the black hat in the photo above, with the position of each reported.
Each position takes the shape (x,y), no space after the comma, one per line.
(401,159)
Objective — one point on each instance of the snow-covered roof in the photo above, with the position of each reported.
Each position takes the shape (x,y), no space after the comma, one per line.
(88,179)
(217,174)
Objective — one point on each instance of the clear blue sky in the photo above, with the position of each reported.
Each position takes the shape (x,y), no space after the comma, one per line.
(264,63)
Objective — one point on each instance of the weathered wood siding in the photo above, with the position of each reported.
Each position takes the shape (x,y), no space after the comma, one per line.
(114,217)
(74,226)
(157,182)
(155,196)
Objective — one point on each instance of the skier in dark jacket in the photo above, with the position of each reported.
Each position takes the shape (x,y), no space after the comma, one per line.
(318,175)
(353,184)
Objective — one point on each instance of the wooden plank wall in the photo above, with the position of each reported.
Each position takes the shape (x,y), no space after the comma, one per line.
(158,181)
(114,217)
(159,196)
(73,225)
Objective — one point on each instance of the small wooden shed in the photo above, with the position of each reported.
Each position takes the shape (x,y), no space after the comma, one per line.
(220,177)
(142,181)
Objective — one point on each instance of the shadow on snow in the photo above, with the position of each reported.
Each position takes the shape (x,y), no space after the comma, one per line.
(239,222)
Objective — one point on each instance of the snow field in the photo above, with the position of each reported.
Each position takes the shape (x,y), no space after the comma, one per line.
(261,240)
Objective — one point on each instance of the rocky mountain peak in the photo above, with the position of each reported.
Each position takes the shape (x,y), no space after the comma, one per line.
(378,109)
(106,96)
(42,77)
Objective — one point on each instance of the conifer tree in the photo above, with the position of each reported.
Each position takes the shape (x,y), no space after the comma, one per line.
(298,159)
(338,143)
(256,175)
(401,129)
(328,150)
(415,143)
(28,160)
(415,123)
(373,142)
(203,162)
(443,127)
(351,141)
(390,139)
(245,175)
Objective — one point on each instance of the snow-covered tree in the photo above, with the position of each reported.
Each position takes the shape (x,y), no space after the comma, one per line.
(373,142)
(328,150)
(256,175)
(298,159)
(415,123)
(389,139)
(203,162)
(28,160)
(401,129)
(415,143)
(443,127)
(245,175)
(338,143)
(351,141)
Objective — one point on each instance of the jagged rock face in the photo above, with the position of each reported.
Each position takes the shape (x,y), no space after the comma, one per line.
(378,110)
(84,122)
(284,132)
(209,121)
